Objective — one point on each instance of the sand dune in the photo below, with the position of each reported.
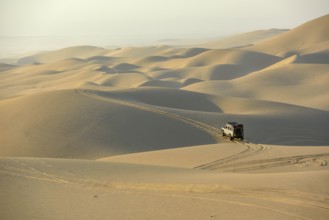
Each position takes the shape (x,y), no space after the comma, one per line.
(72,124)
(225,72)
(172,55)
(71,52)
(297,40)
(201,73)
(317,58)
(142,192)
(191,52)
(148,120)
(233,56)
(233,157)
(165,97)
(189,81)
(124,67)
(134,52)
(4,66)
(275,83)
(104,60)
(105,69)
(243,40)
(162,83)
(149,60)
(125,80)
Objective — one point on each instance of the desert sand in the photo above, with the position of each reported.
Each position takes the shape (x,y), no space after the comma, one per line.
(134,133)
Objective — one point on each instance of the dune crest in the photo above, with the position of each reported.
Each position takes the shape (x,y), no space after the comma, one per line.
(244,39)
(299,39)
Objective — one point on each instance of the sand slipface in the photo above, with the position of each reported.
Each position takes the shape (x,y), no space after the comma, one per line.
(134,133)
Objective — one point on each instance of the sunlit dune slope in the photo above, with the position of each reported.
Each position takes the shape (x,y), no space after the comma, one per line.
(72,124)
(94,189)
(244,39)
(299,84)
(298,40)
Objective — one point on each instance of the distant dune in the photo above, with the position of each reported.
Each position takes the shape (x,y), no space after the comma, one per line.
(302,39)
(135,133)
(48,57)
(244,39)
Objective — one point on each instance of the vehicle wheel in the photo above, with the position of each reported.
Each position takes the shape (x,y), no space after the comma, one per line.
(231,138)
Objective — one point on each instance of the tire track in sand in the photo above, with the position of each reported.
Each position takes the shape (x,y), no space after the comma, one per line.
(26,171)
(250,150)
(299,160)
(229,163)
(213,131)
(21,168)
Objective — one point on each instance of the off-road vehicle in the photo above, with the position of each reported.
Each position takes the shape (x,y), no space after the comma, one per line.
(233,130)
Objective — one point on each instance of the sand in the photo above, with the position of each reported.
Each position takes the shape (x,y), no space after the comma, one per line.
(134,133)
(288,183)
(244,39)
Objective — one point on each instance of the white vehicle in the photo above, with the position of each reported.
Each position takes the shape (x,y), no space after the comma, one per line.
(233,130)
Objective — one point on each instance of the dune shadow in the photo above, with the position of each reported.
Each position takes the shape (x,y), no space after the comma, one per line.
(166,97)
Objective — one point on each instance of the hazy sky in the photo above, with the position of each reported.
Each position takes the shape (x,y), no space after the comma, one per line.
(155,17)
(152,19)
